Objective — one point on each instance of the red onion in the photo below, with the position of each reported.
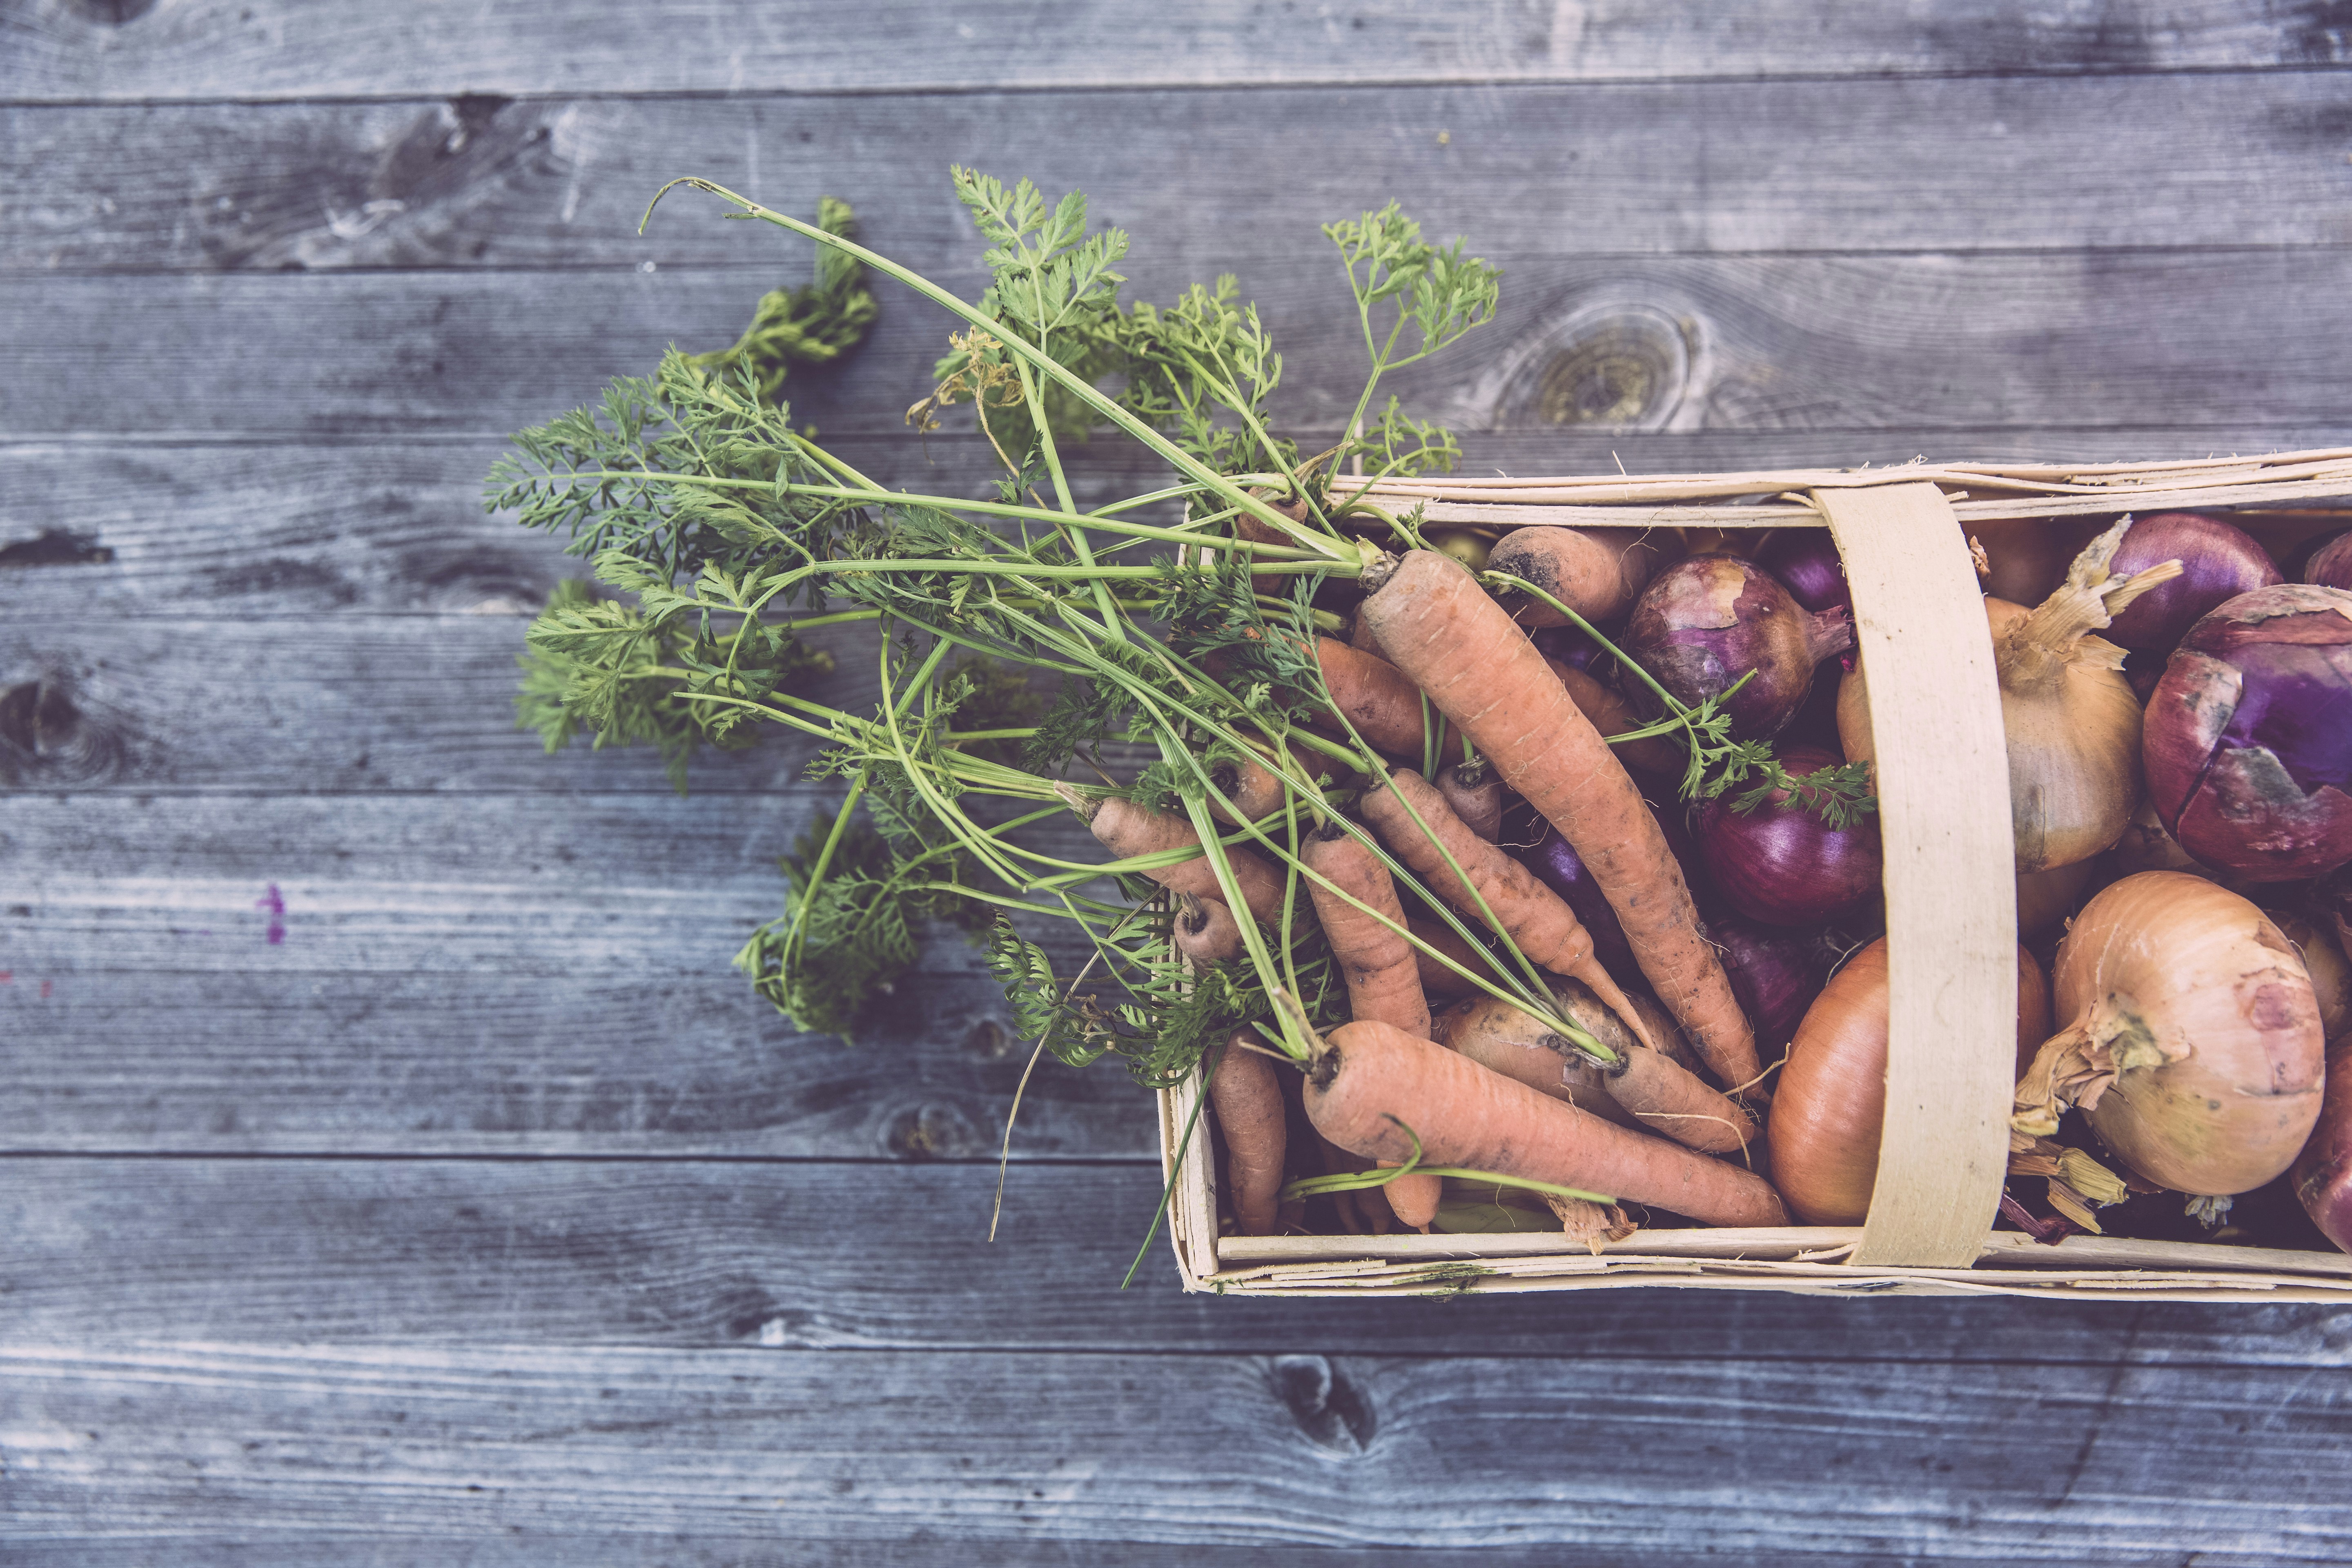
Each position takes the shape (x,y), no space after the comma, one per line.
(1775,974)
(1558,867)
(2322,1171)
(2249,737)
(1707,620)
(2219,561)
(1807,562)
(2330,565)
(1781,863)
(1567,643)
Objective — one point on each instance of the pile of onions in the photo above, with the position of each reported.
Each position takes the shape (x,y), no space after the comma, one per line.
(2249,742)
(1781,863)
(2330,565)
(1830,1103)
(2072,723)
(2219,561)
(2190,1039)
(1707,620)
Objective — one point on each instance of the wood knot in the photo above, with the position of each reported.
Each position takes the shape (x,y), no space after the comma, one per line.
(1330,1408)
(1613,365)
(114,13)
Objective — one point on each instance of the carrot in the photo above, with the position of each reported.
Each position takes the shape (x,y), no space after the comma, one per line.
(1534,917)
(1596,572)
(1205,932)
(1256,531)
(1501,1038)
(1128,829)
(1372,1082)
(1613,715)
(1384,707)
(1477,796)
(1377,964)
(1436,980)
(1359,637)
(1256,791)
(1363,1211)
(1442,630)
(1245,1096)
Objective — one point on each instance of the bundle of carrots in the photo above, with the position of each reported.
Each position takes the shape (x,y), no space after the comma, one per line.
(1384,869)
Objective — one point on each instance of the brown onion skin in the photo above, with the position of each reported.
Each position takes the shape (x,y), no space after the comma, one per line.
(2249,735)
(2209,975)
(1830,1104)
(1781,863)
(2028,555)
(2331,977)
(2323,1171)
(2045,897)
(2034,1010)
(2219,561)
(1707,620)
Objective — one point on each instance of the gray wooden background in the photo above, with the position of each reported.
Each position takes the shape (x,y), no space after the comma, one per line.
(393,1170)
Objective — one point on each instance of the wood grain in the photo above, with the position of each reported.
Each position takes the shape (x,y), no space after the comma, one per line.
(1685,168)
(688,1253)
(395,527)
(280,49)
(2014,341)
(430,1444)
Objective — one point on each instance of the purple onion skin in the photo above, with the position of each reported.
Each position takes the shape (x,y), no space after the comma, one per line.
(1707,620)
(1807,562)
(1775,974)
(2248,741)
(2330,565)
(2322,1173)
(1558,867)
(2219,561)
(1566,644)
(1781,864)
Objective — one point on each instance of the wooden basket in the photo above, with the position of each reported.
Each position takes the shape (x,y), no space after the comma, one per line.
(1950,914)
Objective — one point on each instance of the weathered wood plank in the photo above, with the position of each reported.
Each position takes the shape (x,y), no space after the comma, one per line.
(2251,339)
(692,1254)
(422,1444)
(214,48)
(396,526)
(1979,164)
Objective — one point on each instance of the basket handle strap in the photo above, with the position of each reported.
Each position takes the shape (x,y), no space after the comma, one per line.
(1951,894)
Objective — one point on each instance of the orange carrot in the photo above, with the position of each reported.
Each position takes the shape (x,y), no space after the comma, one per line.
(1373,1081)
(1534,917)
(1596,572)
(1128,829)
(1245,1096)
(1459,645)
(1436,980)
(1205,930)
(1501,1038)
(1613,715)
(1377,964)
(1385,708)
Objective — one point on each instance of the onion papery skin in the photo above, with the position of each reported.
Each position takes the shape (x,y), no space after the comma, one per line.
(2219,561)
(2330,565)
(2331,977)
(1781,863)
(2202,978)
(2044,897)
(2028,556)
(2036,1013)
(1774,972)
(2249,740)
(1710,619)
(1829,1105)
(1806,562)
(2322,1171)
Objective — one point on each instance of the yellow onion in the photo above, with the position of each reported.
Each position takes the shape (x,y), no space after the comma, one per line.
(2072,722)
(2192,1038)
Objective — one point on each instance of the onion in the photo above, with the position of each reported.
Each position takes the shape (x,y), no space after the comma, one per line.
(2192,1040)
(2322,1171)
(1566,645)
(1558,867)
(1708,620)
(2249,744)
(1775,974)
(2070,719)
(1807,563)
(2044,897)
(2026,557)
(2035,1018)
(2219,561)
(2330,565)
(2331,977)
(1830,1104)
(1781,863)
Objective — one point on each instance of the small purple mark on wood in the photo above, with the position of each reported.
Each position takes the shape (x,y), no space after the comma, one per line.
(45,990)
(275,902)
